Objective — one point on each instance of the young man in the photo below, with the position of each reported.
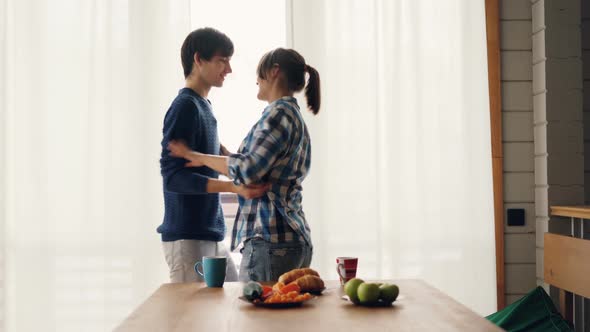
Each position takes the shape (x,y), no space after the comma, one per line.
(193,224)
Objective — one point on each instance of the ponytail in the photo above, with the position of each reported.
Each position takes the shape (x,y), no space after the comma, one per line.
(312,90)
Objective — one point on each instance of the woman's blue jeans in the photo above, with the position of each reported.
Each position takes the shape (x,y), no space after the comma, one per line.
(265,261)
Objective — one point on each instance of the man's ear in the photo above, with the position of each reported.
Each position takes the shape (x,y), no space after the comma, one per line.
(197,58)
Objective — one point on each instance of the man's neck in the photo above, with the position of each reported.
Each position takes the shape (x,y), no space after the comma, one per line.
(198,86)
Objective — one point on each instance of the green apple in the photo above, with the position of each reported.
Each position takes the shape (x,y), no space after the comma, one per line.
(388,293)
(368,293)
(351,287)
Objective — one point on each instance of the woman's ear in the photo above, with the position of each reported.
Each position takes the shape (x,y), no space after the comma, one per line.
(274,71)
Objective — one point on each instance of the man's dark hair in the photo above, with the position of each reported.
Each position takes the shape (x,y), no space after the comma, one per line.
(208,42)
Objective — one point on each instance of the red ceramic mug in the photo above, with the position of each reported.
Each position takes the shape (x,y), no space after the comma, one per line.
(346,268)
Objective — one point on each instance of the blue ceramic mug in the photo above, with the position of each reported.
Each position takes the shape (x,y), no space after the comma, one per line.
(213,270)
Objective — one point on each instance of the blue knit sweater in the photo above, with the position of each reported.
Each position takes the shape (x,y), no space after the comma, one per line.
(189,211)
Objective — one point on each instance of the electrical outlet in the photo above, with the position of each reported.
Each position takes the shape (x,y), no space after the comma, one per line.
(515,217)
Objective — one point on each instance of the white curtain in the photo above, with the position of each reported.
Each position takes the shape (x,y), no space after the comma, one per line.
(401,171)
(85,85)
(2,163)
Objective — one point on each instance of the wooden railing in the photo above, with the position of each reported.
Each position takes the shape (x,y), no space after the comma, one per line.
(567,264)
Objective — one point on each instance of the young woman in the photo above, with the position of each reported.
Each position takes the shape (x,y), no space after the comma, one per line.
(276,151)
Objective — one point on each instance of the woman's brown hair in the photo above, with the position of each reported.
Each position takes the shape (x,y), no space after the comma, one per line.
(293,66)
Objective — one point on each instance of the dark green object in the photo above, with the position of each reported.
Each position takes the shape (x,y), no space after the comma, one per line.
(252,290)
(533,312)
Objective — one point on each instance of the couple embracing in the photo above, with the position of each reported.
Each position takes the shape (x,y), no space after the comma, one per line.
(266,172)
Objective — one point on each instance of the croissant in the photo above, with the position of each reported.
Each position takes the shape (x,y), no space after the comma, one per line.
(295,274)
(310,283)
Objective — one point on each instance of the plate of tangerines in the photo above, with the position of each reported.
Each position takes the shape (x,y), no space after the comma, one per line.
(292,289)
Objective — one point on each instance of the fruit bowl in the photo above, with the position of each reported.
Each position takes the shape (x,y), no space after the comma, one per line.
(378,303)
(370,294)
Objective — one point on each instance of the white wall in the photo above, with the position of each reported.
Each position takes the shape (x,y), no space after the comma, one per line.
(517,137)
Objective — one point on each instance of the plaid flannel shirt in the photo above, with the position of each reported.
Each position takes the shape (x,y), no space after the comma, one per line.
(277,150)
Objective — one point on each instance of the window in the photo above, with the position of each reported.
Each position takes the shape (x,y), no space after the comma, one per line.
(255,27)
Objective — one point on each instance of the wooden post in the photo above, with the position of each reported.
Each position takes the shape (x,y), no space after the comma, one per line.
(493,43)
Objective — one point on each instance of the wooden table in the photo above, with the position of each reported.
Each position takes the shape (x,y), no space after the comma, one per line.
(194,307)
